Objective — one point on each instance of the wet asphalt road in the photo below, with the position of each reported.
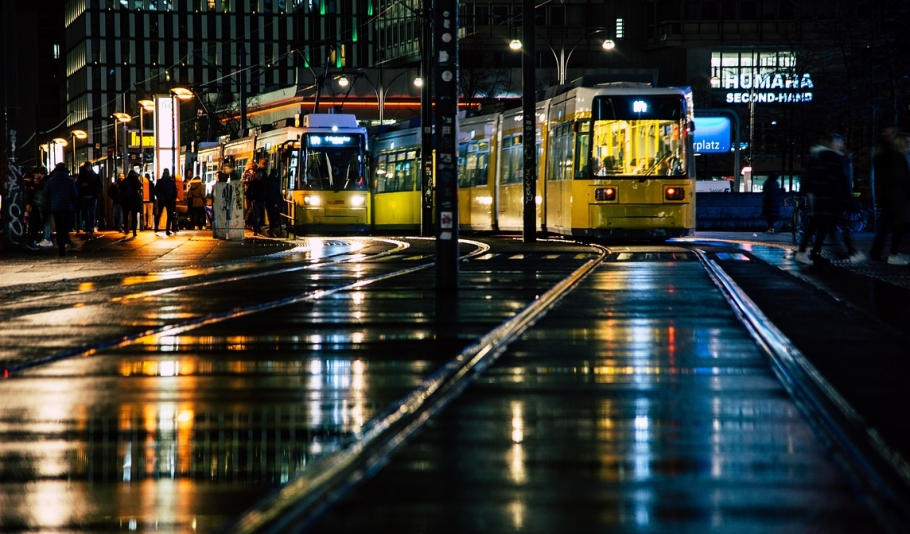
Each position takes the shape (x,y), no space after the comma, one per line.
(173,401)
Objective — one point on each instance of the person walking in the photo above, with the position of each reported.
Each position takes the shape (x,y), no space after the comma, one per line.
(772,200)
(892,180)
(61,194)
(131,200)
(166,193)
(827,187)
(195,202)
(88,183)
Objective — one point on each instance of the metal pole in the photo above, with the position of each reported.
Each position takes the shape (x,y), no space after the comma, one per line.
(445,41)
(426,129)
(529,126)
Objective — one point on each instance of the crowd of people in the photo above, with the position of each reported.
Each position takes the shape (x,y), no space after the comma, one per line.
(57,200)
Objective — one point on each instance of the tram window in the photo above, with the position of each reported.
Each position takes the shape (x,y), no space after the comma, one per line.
(583,162)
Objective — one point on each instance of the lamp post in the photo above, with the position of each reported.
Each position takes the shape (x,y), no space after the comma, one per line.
(77,134)
(59,141)
(381,91)
(562,58)
(122,118)
(178,94)
(145,105)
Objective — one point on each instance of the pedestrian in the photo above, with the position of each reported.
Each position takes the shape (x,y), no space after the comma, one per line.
(88,183)
(772,200)
(60,192)
(827,186)
(166,193)
(271,197)
(148,202)
(32,199)
(892,181)
(44,208)
(131,200)
(195,202)
(254,196)
(113,193)
(249,174)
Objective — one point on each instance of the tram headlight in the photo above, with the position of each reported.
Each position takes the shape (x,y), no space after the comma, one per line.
(603,194)
(674,193)
(312,200)
(358,201)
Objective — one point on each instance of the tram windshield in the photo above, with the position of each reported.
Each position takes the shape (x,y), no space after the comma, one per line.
(634,135)
(334,163)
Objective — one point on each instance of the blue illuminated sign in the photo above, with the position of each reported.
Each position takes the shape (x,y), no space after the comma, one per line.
(712,135)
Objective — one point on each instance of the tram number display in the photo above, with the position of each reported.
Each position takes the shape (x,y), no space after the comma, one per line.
(333,140)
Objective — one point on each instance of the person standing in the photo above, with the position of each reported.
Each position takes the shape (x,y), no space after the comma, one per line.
(88,183)
(249,174)
(61,194)
(148,202)
(113,193)
(195,202)
(131,200)
(829,193)
(892,179)
(254,196)
(772,200)
(271,196)
(166,193)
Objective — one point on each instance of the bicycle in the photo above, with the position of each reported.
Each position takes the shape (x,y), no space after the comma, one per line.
(799,218)
(854,219)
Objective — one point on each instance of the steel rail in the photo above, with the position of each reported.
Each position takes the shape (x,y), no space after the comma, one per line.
(880,471)
(217,317)
(295,506)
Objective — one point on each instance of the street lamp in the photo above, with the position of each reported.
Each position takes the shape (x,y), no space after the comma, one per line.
(145,105)
(122,118)
(182,94)
(562,58)
(382,91)
(59,141)
(77,134)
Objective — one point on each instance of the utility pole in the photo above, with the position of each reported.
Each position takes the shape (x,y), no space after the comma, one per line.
(445,79)
(426,125)
(529,124)
(13,202)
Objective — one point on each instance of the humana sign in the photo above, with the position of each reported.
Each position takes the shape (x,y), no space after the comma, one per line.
(771,87)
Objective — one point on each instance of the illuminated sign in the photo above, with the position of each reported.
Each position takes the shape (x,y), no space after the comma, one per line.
(767,87)
(334,140)
(712,135)
(639,106)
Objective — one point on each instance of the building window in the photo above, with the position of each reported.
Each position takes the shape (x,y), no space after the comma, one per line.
(620,30)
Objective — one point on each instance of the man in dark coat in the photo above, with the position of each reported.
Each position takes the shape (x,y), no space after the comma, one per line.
(131,200)
(166,193)
(892,179)
(88,183)
(61,194)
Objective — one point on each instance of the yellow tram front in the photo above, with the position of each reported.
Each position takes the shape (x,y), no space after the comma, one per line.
(620,166)
(325,175)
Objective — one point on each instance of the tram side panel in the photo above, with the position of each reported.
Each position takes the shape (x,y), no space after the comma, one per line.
(396,181)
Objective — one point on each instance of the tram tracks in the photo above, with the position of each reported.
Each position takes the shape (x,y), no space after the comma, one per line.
(198,281)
